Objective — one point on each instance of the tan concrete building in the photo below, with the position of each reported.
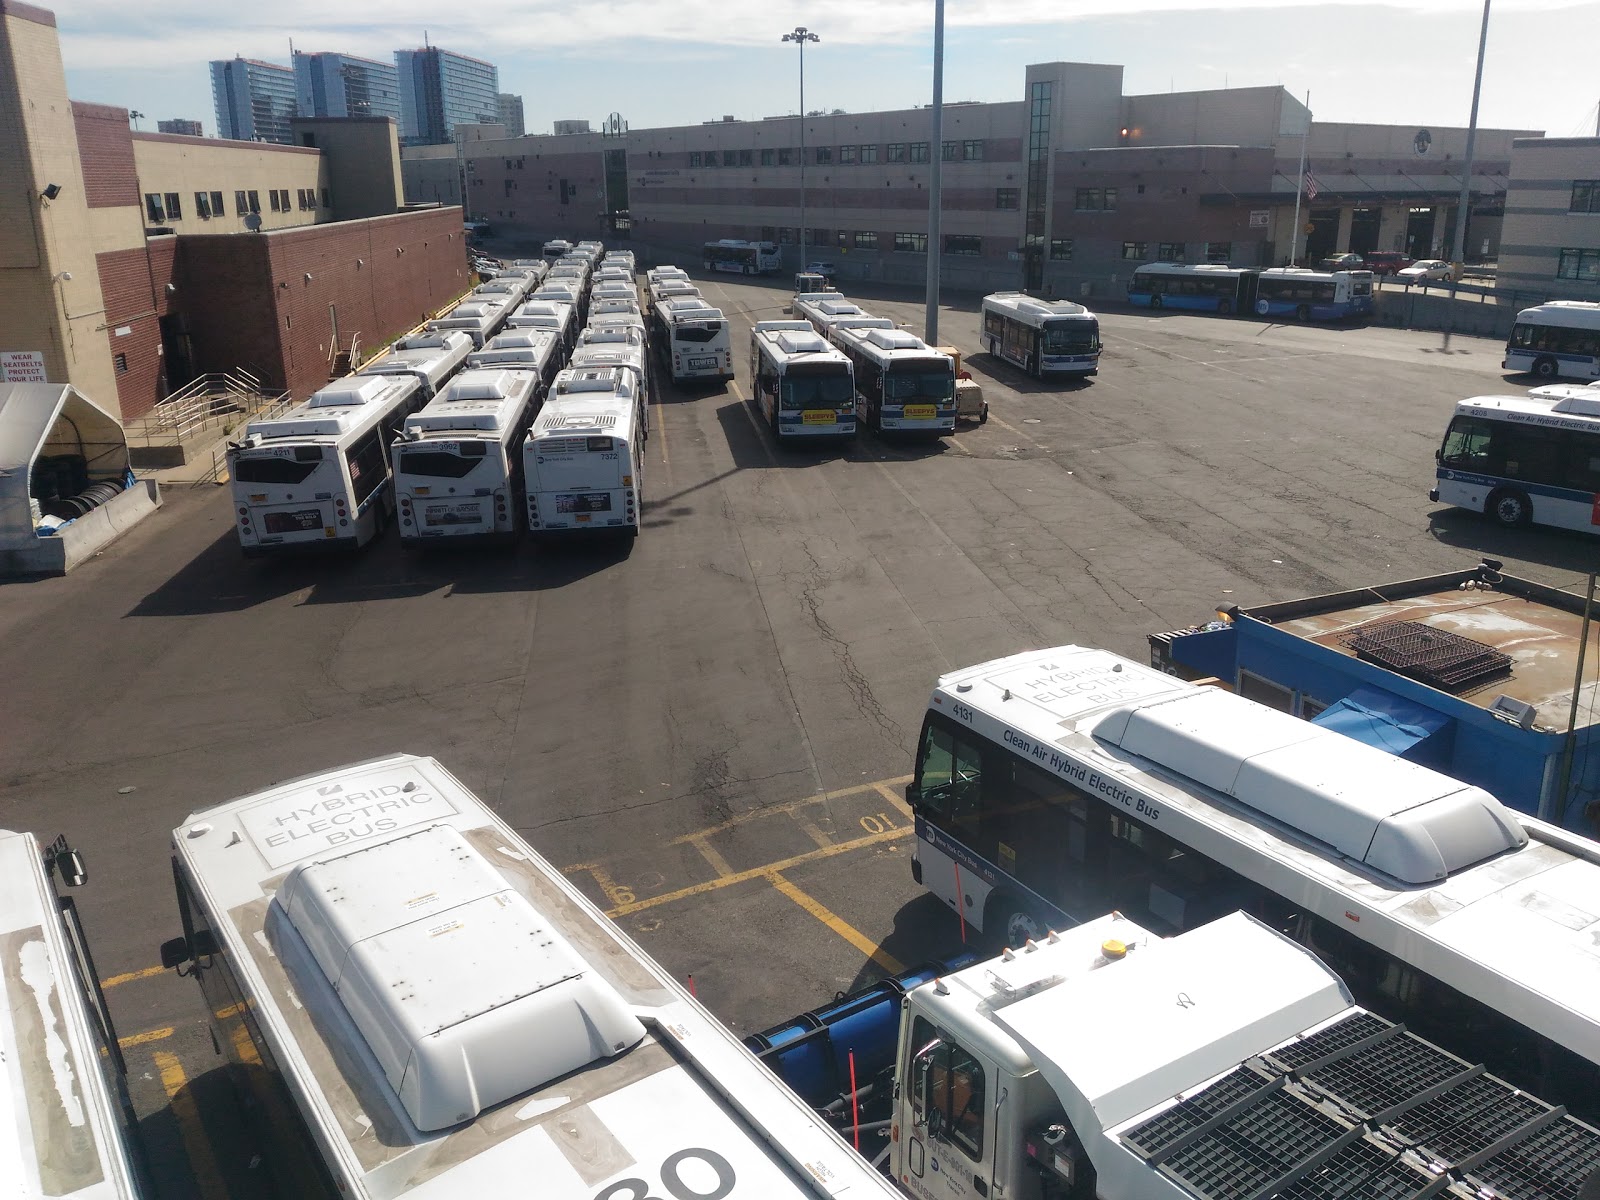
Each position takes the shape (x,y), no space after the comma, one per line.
(209,185)
(1551,246)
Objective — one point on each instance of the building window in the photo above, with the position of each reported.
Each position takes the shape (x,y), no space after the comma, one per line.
(824,155)
(255,202)
(153,212)
(951,151)
(241,204)
(844,239)
(283,196)
(1134,250)
(819,237)
(961,243)
(919,152)
(769,233)
(866,239)
(1579,264)
(747,158)
(272,195)
(786,235)
(847,155)
(1061,249)
(325,201)
(869,154)
(897,152)
(911,243)
(1007,198)
(174,207)
(785,156)
(1585,196)
(769,157)
(121,361)
(694,159)
(730,158)
(217,209)
(1219,252)
(1170,251)
(1095,199)
(202,205)
(972,151)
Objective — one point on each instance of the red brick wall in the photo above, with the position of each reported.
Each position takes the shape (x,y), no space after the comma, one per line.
(105,149)
(134,284)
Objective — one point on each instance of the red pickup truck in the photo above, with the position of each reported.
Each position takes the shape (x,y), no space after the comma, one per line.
(1386,262)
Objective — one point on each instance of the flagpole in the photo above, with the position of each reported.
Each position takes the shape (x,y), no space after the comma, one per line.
(1299,186)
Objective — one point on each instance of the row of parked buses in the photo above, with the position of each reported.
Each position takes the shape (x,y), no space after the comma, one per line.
(469,428)
(693,336)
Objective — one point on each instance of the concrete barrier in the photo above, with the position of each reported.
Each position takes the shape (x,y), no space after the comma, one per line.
(1430,310)
(84,537)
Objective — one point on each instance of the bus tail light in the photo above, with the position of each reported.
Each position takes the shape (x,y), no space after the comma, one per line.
(627,481)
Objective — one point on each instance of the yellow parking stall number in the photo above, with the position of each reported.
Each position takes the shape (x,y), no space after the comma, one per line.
(878,823)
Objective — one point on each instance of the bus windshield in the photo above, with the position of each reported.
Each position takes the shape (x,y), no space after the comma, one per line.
(919,382)
(816,391)
(1070,337)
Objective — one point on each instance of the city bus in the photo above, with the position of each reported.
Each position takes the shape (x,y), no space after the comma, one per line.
(695,339)
(479,317)
(1560,339)
(741,258)
(902,384)
(517,286)
(1524,460)
(556,248)
(318,476)
(458,464)
(1055,785)
(824,309)
(69,1128)
(1194,287)
(414,1002)
(584,457)
(1308,295)
(1043,337)
(524,349)
(804,387)
(429,358)
(560,316)
(618,345)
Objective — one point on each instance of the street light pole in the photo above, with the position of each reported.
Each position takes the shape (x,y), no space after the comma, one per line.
(134,115)
(800,37)
(1466,171)
(930,322)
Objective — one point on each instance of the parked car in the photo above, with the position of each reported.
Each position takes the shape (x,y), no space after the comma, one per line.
(1344,262)
(1425,270)
(826,269)
(1385,262)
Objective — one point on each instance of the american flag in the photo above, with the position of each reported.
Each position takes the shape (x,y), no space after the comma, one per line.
(1311,185)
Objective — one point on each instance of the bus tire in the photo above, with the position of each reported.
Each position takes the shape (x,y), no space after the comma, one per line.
(1509,508)
(1155,301)
(1303,313)
(1225,307)
(1546,368)
(1009,922)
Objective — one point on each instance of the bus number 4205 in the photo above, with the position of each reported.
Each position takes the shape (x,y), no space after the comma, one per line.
(710,1164)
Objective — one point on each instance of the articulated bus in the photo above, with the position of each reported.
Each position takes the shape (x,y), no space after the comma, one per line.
(902,384)
(1524,460)
(1194,287)
(458,464)
(584,457)
(1555,340)
(1308,295)
(318,476)
(1043,337)
(805,388)
(741,258)
(429,358)
(1054,785)
(416,1003)
(67,1126)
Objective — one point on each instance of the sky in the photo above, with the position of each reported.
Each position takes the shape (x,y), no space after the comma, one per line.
(680,62)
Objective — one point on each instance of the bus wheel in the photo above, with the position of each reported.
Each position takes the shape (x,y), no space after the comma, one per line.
(1008,922)
(1546,368)
(1303,313)
(1510,509)
(1155,301)
(1225,307)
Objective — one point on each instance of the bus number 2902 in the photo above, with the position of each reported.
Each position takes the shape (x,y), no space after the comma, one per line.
(672,1180)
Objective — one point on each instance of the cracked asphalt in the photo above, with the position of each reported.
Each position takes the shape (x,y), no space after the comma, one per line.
(771,637)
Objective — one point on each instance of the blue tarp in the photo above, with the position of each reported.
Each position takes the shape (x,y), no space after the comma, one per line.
(1382,719)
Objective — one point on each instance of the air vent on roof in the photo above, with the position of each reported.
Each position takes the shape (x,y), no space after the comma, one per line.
(354,390)
(795,342)
(597,379)
(481,385)
(1436,657)
(580,421)
(464,992)
(894,339)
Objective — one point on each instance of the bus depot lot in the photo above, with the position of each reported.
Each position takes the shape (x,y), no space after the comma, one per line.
(710,728)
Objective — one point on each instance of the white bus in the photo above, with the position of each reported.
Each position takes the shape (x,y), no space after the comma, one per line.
(517,286)
(524,349)
(614,289)
(556,248)
(695,339)
(610,306)
(1524,460)
(1043,337)
(803,386)
(1308,295)
(1055,785)
(617,346)
(662,290)
(655,274)
(824,309)
(418,1004)
(740,257)
(1560,339)
(479,317)
(619,258)
(318,476)
(585,454)
(429,358)
(68,1127)
(458,464)
(902,384)
(558,316)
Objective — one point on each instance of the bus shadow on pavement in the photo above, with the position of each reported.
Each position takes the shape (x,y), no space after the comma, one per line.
(1003,373)
(924,929)
(754,448)
(1566,549)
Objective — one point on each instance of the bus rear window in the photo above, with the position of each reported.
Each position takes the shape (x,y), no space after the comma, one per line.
(600,444)
(442,464)
(700,331)
(279,470)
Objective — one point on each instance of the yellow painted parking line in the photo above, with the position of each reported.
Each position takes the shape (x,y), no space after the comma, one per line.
(712,885)
(149,1035)
(894,798)
(131,976)
(615,893)
(790,806)
(814,833)
(838,924)
(187,1114)
(710,854)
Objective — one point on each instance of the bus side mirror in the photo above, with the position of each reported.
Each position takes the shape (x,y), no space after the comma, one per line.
(66,862)
(175,952)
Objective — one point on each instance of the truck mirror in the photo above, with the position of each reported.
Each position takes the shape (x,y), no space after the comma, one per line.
(175,952)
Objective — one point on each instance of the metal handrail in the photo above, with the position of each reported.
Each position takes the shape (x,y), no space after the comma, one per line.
(204,401)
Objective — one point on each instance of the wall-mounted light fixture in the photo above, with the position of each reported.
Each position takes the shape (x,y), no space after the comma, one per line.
(308,276)
(51,191)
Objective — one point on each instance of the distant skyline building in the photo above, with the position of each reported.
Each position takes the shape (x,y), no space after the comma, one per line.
(510,108)
(568,128)
(255,100)
(180,125)
(439,90)
(343,85)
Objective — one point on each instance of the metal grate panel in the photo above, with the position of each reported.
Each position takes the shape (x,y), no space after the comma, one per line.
(1259,1145)
(1432,656)
(1475,1113)
(1362,1169)
(1161,1131)
(1383,1076)
(1551,1165)
(1338,1036)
